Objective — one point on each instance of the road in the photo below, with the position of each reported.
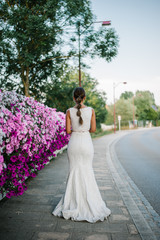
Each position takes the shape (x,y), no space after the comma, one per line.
(139,154)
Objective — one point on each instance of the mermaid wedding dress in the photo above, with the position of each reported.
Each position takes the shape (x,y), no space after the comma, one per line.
(82,200)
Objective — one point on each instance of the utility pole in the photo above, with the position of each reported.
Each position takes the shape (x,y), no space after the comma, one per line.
(79,54)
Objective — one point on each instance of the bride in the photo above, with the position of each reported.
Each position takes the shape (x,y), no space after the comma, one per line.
(82,200)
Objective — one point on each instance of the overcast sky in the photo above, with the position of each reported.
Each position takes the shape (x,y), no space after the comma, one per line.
(138,63)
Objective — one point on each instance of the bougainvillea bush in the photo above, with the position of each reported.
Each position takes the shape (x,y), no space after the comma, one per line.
(30,133)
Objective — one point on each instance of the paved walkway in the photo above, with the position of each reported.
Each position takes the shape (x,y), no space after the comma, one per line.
(29,217)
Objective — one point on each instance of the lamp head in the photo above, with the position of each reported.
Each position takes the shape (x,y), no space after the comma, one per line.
(106,23)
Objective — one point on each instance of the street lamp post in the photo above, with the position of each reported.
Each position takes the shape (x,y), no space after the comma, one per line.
(114,87)
(79,52)
(133,112)
(104,23)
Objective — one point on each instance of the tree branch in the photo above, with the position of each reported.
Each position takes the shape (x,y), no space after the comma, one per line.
(8,3)
(50,59)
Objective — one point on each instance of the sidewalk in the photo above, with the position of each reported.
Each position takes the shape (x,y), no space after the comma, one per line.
(29,217)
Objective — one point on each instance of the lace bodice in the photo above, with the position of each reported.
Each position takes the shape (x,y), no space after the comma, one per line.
(86,114)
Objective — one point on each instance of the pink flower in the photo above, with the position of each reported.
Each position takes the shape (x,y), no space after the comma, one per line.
(9,129)
(33,132)
(12,125)
(1,168)
(25,146)
(20,137)
(8,146)
(1,159)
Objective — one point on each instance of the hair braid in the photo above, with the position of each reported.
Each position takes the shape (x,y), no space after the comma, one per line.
(79,94)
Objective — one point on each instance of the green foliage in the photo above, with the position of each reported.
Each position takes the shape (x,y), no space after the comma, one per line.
(151,114)
(106,44)
(110,116)
(99,133)
(124,108)
(127,95)
(59,94)
(144,101)
(158,112)
(33,40)
(143,107)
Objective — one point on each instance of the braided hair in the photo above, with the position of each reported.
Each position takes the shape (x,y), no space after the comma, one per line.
(79,94)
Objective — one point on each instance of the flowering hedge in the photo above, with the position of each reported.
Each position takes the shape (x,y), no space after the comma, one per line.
(30,133)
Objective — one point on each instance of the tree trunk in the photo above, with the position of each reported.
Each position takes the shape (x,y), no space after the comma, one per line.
(25,80)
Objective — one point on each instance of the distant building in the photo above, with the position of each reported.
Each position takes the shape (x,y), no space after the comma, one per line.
(154,107)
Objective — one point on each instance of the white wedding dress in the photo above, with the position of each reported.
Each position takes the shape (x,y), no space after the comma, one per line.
(82,199)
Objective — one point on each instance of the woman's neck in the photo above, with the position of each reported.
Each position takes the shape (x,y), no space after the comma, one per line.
(82,105)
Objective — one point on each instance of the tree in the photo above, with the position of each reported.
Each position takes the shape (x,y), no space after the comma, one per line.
(126,95)
(151,114)
(143,101)
(59,94)
(30,38)
(33,41)
(110,116)
(124,108)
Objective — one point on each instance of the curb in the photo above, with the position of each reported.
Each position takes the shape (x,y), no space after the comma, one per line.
(145,218)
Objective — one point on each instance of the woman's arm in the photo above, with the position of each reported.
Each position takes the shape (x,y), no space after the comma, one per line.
(93,122)
(68,122)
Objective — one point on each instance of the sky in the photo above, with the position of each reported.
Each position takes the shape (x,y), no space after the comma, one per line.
(137,22)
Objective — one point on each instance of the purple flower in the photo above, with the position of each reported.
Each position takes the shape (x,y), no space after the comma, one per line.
(14,174)
(8,195)
(20,188)
(33,175)
(27,174)
(13,158)
(33,133)
(15,182)
(13,168)
(18,109)
(12,105)
(9,166)
(22,159)
(14,133)
(2,182)
(19,166)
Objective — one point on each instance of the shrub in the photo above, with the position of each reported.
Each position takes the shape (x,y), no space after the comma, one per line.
(30,133)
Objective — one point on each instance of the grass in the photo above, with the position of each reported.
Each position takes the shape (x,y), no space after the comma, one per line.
(100,133)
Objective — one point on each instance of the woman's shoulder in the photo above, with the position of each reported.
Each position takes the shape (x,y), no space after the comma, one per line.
(74,108)
(69,110)
(87,107)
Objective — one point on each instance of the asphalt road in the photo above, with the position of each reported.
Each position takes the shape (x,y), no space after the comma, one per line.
(139,154)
